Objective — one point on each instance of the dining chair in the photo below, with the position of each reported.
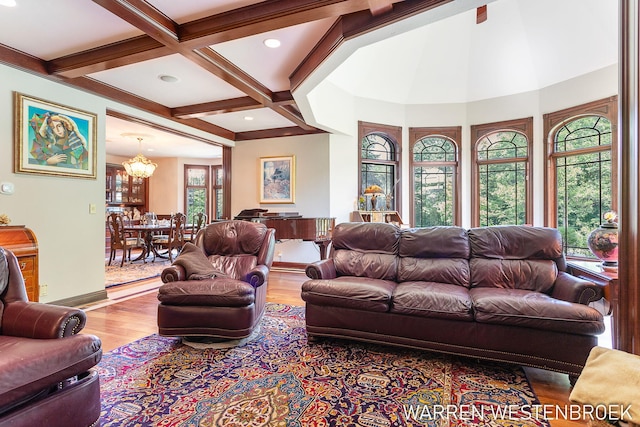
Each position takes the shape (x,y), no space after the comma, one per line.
(175,239)
(120,240)
(199,219)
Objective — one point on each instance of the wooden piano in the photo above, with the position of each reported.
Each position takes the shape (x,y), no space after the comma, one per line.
(291,225)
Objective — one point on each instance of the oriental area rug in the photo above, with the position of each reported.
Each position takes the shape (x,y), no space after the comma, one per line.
(278,378)
(132,271)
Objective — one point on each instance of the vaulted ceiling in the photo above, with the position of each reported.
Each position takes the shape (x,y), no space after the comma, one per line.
(203,63)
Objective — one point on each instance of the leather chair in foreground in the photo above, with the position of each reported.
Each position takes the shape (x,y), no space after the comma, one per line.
(46,367)
(217,287)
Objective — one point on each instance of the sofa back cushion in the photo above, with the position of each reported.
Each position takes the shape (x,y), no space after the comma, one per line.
(434,254)
(515,257)
(365,249)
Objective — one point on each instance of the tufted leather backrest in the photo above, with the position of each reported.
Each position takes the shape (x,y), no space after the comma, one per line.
(366,249)
(434,254)
(235,247)
(513,256)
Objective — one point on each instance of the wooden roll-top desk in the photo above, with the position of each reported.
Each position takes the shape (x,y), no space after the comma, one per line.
(23,243)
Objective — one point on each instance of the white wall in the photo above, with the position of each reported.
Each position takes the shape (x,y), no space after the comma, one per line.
(71,241)
(312,186)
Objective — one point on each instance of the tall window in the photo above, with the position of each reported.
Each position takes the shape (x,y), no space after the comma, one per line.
(196,193)
(580,172)
(218,200)
(435,176)
(502,189)
(380,161)
(203,190)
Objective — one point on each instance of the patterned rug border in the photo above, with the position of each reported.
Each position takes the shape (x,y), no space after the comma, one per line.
(161,381)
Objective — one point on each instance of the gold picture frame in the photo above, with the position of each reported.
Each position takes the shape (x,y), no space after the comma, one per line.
(277,179)
(53,139)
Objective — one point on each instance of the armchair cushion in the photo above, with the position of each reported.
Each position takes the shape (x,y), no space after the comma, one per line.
(218,292)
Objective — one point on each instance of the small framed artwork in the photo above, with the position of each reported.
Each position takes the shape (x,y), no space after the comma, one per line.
(277,179)
(53,139)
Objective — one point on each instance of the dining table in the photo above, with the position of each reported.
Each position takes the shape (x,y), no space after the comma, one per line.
(146,232)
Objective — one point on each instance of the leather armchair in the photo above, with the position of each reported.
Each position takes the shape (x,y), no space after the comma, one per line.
(46,367)
(217,286)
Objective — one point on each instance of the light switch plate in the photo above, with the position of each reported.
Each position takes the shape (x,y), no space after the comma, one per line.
(92,208)
(7,188)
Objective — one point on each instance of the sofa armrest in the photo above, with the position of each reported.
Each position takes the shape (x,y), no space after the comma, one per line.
(42,321)
(323,269)
(574,289)
(173,273)
(257,276)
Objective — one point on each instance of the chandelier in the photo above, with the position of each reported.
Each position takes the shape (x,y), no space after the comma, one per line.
(139,166)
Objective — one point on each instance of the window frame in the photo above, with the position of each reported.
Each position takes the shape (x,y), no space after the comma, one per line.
(607,108)
(206,187)
(394,134)
(523,126)
(453,134)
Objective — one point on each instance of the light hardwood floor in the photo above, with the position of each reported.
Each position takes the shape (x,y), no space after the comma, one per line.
(127,318)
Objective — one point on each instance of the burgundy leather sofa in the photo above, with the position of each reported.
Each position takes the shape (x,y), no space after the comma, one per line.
(499,293)
(46,367)
(217,286)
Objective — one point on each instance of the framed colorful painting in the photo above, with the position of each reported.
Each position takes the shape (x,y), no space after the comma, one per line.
(52,139)
(277,179)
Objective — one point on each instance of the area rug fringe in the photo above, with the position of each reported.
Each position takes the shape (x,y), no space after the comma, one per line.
(280,379)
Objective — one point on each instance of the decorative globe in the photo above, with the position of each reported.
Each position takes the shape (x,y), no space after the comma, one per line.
(603,243)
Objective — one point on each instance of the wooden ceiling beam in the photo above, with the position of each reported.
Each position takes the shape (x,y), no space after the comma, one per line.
(262,17)
(145,17)
(216,107)
(114,55)
(275,133)
(110,92)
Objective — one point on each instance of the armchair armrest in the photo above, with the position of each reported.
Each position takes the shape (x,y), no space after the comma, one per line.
(173,273)
(43,321)
(257,276)
(323,269)
(574,289)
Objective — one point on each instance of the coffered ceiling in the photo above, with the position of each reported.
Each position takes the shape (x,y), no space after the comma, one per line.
(203,63)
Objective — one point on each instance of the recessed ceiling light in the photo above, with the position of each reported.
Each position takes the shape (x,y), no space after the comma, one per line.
(248,118)
(9,3)
(168,78)
(272,43)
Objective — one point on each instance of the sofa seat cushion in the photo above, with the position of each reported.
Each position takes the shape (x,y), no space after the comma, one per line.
(431,299)
(216,292)
(29,367)
(534,310)
(361,293)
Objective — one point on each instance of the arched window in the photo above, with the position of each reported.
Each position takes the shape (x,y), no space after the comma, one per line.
(502,189)
(435,176)
(380,161)
(581,171)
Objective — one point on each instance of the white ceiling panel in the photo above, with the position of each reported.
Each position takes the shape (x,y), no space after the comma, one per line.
(186,11)
(194,85)
(50,29)
(272,67)
(262,118)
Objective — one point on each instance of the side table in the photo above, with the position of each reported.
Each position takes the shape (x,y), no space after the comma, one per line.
(608,279)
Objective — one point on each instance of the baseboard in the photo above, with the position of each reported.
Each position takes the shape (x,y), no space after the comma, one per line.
(290,265)
(82,299)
